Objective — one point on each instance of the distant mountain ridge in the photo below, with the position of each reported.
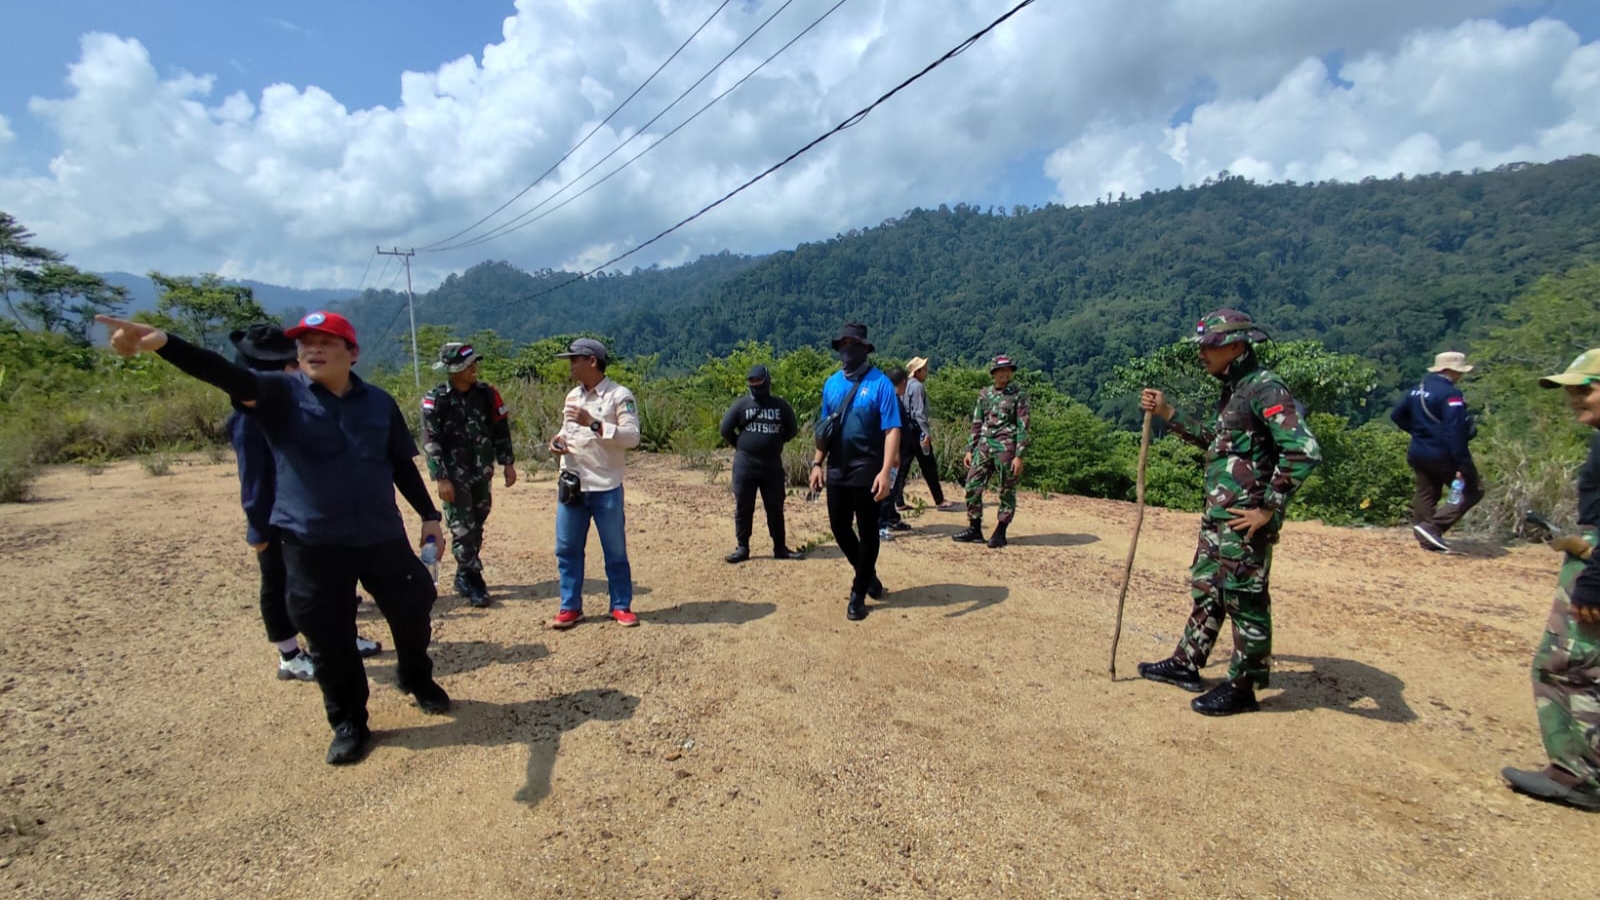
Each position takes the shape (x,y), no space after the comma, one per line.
(274,298)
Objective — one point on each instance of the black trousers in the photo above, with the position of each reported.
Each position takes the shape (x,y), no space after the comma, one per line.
(1433,481)
(752,475)
(274,591)
(322,605)
(852,509)
(930,472)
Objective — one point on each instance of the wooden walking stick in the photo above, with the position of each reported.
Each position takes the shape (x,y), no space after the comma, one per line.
(1133,543)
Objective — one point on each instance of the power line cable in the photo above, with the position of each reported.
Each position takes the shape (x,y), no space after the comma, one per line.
(852,120)
(504,230)
(365,271)
(592,132)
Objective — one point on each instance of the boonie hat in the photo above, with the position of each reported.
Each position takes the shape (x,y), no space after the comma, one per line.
(1227,326)
(264,346)
(1002,362)
(1584,370)
(1450,361)
(327,323)
(456,357)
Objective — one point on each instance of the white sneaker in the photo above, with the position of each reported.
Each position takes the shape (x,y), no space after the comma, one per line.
(297,669)
(366,648)
(885,534)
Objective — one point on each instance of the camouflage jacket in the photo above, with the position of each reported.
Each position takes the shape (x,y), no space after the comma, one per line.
(465,432)
(1000,417)
(1258,451)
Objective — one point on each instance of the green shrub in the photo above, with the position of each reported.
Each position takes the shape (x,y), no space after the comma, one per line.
(1363,477)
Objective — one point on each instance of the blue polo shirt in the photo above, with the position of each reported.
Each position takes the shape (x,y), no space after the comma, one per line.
(857,457)
(335,458)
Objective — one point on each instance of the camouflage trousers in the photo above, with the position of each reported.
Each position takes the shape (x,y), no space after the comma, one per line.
(1566,683)
(988,458)
(1229,577)
(465,518)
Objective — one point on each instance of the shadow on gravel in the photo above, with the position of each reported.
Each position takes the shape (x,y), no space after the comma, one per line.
(537,723)
(1339,684)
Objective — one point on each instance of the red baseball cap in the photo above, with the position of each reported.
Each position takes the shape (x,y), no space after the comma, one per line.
(327,323)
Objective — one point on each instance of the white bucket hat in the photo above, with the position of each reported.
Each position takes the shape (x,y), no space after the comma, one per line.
(1450,361)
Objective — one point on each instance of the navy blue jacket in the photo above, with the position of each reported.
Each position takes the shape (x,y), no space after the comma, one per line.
(258,477)
(1435,415)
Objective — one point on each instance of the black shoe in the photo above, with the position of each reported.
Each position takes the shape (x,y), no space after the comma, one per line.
(782,552)
(739,554)
(998,539)
(973,534)
(857,610)
(1175,671)
(430,697)
(900,525)
(463,586)
(1225,700)
(1552,784)
(350,742)
(1430,539)
(877,591)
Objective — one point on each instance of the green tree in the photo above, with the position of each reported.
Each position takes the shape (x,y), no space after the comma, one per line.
(19,259)
(203,309)
(1323,381)
(65,299)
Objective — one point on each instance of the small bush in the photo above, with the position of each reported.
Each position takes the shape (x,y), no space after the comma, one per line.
(18,471)
(157,464)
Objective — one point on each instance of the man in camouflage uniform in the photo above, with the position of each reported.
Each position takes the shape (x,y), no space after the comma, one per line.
(1258,453)
(1566,668)
(999,439)
(465,431)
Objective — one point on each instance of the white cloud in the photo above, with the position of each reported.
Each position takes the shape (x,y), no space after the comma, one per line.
(293,186)
(6,134)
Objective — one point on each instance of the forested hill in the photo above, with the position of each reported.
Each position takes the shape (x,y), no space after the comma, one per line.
(1390,269)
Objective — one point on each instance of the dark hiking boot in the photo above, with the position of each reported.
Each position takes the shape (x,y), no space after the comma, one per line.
(350,742)
(739,554)
(1553,784)
(1225,700)
(430,697)
(1175,671)
(877,591)
(998,539)
(973,534)
(857,608)
(479,597)
(900,525)
(782,552)
(463,586)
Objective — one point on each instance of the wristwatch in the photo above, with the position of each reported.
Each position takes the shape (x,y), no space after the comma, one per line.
(595,426)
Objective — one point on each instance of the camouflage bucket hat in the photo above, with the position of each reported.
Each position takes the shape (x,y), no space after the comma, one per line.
(456,357)
(1227,326)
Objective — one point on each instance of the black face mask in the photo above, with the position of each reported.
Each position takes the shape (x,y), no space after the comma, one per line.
(854,358)
(761,391)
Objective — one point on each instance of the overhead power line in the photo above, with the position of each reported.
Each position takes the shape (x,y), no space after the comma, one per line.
(365,272)
(854,119)
(503,230)
(507,227)
(592,132)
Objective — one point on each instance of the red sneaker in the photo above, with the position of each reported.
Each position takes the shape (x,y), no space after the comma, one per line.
(566,619)
(625,618)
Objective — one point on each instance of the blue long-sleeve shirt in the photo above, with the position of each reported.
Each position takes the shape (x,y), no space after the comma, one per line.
(258,477)
(1435,415)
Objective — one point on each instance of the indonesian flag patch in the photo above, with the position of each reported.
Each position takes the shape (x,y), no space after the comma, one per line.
(1271,411)
(427,403)
(1456,401)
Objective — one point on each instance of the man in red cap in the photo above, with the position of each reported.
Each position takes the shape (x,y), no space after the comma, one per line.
(341,448)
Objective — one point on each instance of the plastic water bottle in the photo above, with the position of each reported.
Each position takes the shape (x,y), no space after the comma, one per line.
(1457,489)
(430,558)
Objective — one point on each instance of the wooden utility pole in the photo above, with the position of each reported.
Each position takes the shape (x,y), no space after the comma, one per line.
(411,307)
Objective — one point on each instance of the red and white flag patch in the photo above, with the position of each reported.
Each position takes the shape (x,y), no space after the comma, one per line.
(427,403)
(1456,401)
(1271,411)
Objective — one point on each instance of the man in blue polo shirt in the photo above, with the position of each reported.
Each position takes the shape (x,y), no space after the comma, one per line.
(341,448)
(855,463)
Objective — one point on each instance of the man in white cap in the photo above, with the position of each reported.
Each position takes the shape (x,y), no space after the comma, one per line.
(1435,415)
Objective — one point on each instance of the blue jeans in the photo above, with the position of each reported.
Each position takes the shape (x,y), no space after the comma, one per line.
(572,534)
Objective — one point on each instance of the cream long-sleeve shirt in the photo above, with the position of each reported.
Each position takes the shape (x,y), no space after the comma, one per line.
(599,458)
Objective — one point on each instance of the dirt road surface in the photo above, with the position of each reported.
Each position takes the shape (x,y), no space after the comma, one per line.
(748,741)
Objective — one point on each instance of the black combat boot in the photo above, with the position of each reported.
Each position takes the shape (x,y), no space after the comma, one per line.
(973,534)
(1175,671)
(739,554)
(857,608)
(782,551)
(463,585)
(1226,699)
(998,539)
(480,590)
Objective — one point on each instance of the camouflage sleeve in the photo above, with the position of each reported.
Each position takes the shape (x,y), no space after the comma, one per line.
(1022,423)
(1191,430)
(500,429)
(977,425)
(432,449)
(1298,452)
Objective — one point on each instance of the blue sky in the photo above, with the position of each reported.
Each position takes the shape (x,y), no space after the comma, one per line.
(1072,100)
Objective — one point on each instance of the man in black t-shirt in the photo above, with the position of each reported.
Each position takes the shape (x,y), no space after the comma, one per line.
(758,425)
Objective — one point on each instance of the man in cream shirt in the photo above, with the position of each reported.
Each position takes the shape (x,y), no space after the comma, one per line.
(601,423)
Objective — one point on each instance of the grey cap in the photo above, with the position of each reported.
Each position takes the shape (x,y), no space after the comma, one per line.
(586,347)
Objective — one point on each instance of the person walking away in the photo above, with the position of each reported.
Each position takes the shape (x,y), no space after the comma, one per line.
(466,429)
(1434,413)
(854,460)
(1566,667)
(600,424)
(341,448)
(1258,453)
(264,348)
(758,425)
(998,441)
(889,518)
(917,405)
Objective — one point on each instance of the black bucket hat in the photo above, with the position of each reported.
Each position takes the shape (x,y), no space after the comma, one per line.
(264,346)
(854,330)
